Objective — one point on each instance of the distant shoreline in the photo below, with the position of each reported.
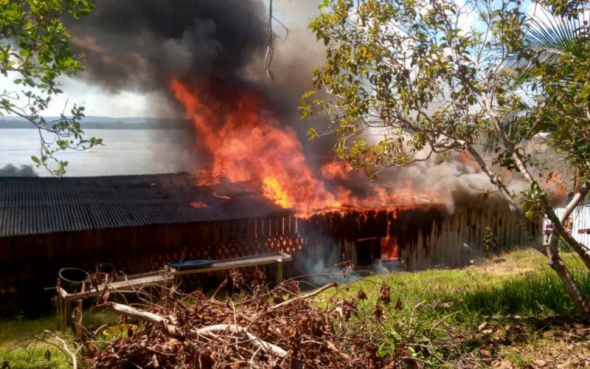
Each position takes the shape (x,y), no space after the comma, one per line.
(113,126)
(104,123)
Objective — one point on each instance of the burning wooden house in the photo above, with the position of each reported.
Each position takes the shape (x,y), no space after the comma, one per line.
(244,141)
(141,223)
(269,199)
(134,223)
(414,237)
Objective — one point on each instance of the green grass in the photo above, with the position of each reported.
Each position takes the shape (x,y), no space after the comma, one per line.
(21,348)
(439,312)
(518,283)
(18,346)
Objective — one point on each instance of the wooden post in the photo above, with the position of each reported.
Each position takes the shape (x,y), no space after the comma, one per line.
(279,271)
(67,312)
(78,313)
(78,319)
(60,304)
(165,289)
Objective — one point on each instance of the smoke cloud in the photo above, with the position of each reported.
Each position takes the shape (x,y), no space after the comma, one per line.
(138,45)
(458,177)
(141,44)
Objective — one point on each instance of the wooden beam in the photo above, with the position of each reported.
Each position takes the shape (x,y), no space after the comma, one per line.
(122,286)
(131,283)
(237,263)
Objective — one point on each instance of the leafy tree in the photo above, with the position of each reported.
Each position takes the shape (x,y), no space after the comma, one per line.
(449,75)
(35,51)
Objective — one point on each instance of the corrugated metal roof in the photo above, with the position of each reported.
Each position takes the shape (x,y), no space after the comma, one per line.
(47,205)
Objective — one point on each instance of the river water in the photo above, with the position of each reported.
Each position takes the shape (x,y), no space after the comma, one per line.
(124,152)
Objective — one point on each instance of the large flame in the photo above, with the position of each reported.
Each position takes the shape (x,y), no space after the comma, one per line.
(336,170)
(248,144)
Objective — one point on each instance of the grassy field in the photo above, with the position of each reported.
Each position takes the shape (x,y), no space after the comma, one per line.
(439,318)
(510,312)
(21,347)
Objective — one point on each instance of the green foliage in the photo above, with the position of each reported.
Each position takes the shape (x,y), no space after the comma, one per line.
(560,78)
(533,202)
(35,47)
(407,71)
(413,74)
(566,8)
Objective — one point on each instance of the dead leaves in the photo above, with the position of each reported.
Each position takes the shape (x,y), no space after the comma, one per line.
(361,295)
(540,363)
(385,294)
(296,325)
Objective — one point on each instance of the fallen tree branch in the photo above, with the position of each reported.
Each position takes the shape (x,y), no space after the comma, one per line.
(66,349)
(312,294)
(516,317)
(333,347)
(213,330)
(209,332)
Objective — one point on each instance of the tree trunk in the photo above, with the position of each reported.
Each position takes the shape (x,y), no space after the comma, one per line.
(570,286)
(497,181)
(552,251)
(580,249)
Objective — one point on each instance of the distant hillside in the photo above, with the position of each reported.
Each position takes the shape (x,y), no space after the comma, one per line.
(104,123)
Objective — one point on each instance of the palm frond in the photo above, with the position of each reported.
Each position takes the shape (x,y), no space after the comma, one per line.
(551,39)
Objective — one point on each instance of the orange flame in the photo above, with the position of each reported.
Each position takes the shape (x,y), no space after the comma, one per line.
(556,185)
(389,248)
(336,170)
(247,143)
(273,190)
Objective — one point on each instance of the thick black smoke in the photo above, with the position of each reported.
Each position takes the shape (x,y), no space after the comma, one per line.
(141,44)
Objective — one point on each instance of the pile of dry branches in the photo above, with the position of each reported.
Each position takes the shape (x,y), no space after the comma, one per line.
(278,328)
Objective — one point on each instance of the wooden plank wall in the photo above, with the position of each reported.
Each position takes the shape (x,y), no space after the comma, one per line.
(28,264)
(428,236)
(457,240)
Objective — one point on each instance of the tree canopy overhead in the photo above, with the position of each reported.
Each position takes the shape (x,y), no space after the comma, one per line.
(449,75)
(34,52)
